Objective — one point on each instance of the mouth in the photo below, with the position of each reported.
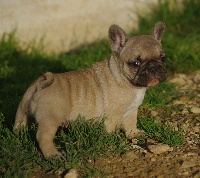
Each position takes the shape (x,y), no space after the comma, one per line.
(153,82)
(148,81)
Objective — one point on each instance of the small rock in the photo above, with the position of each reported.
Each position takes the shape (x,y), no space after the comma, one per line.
(153,159)
(185,111)
(130,155)
(136,147)
(189,154)
(154,113)
(189,142)
(126,169)
(180,81)
(185,126)
(185,173)
(71,174)
(196,129)
(195,110)
(185,99)
(178,102)
(160,148)
(188,164)
(134,141)
(198,119)
(129,174)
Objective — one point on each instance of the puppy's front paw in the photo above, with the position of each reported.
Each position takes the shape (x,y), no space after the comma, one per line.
(51,152)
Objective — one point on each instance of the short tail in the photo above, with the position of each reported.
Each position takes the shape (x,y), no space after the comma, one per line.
(25,109)
(21,119)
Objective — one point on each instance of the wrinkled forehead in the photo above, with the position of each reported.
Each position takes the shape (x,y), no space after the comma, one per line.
(145,46)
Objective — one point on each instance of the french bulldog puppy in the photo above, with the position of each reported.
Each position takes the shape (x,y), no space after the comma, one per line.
(113,88)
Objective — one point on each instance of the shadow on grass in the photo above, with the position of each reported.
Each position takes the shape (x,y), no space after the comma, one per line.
(20,67)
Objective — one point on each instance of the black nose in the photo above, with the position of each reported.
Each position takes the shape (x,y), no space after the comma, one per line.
(153,70)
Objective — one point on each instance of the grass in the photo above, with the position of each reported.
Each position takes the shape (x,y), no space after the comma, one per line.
(162,132)
(20,155)
(81,142)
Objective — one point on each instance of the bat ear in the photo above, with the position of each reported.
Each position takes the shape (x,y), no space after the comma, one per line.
(158,31)
(118,38)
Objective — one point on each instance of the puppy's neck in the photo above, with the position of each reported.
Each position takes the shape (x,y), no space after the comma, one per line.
(115,67)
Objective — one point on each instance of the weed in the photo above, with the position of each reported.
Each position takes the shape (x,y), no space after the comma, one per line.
(160,96)
(162,132)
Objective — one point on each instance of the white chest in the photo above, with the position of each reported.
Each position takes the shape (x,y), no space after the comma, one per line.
(138,97)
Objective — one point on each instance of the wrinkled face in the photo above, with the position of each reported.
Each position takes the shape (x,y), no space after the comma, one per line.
(143,61)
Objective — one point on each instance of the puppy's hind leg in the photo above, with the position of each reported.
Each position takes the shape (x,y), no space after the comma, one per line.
(45,135)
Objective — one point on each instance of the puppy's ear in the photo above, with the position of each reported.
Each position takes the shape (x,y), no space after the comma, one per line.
(118,38)
(158,31)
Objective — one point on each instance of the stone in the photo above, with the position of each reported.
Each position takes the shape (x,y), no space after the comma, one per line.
(185,173)
(159,148)
(131,155)
(71,174)
(189,163)
(136,147)
(185,111)
(196,129)
(178,102)
(189,154)
(154,113)
(185,99)
(195,110)
(180,81)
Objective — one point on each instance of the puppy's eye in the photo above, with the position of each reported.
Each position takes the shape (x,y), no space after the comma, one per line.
(134,63)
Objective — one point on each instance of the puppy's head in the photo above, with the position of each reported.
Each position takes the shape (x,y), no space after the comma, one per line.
(140,58)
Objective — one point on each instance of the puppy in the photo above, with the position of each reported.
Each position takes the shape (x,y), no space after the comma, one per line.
(113,88)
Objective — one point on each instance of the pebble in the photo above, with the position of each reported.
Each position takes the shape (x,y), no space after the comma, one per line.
(189,163)
(180,81)
(196,129)
(154,113)
(185,111)
(131,155)
(195,110)
(153,159)
(137,147)
(178,102)
(71,174)
(159,148)
(185,173)
(189,154)
(185,99)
